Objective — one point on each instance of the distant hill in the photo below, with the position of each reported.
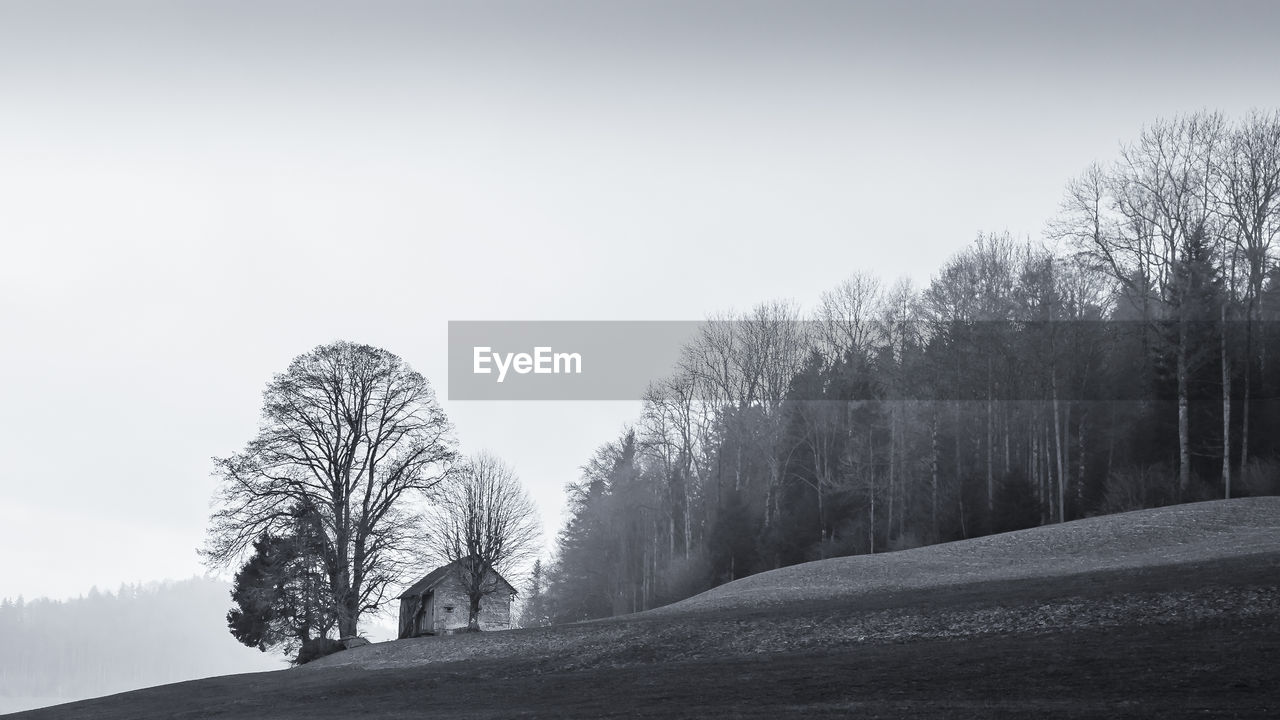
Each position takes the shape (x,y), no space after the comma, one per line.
(107,642)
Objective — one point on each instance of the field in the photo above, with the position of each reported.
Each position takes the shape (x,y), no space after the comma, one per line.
(1165,613)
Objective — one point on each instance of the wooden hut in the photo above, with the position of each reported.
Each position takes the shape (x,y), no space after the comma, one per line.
(438,604)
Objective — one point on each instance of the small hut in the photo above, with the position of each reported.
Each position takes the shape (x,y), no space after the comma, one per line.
(438,604)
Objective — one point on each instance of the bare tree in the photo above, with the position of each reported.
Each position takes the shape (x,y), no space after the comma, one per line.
(1248,170)
(847,314)
(1165,183)
(1139,219)
(353,435)
(669,431)
(821,429)
(484,523)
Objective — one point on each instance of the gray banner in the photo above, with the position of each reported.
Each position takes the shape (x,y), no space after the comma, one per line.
(982,361)
(562,359)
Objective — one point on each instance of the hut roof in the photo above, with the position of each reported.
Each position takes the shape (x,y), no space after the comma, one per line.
(437,576)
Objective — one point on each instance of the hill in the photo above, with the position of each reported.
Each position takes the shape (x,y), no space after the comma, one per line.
(1164,612)
(1196,532)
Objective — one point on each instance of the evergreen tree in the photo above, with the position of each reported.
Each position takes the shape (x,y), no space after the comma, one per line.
(280,593)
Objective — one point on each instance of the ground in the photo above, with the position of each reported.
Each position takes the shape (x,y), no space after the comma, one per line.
(1178,615)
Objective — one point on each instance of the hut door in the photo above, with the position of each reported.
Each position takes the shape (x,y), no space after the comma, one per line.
(422,624)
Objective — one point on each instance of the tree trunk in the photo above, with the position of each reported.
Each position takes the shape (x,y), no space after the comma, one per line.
(473,612)
(1046,448)
(904,477)
(346,596)
(688,510)
(1111,445)
(671,534)
(822,526)
(1080,466)
(1248,387)
(1005,429)
(1033,465)
(820,471)
(1057,443)
(1066,456)
(959,482)
(768,493)
(1184,422)
(991,478)
(737,468)
(871,476)
(1226,406)
(933,479)
(893,454)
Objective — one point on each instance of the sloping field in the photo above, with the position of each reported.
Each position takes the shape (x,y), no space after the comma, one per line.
(1197,532)
(894,597)
(1163,613)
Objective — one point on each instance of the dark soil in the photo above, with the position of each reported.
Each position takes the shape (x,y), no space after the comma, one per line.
(1200,639)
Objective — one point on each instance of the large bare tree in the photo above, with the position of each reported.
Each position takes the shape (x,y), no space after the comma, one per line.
(1139,219)
(484,522)
(355,436)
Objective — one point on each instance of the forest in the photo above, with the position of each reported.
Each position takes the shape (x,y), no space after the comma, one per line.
(1124,360)
(105,641)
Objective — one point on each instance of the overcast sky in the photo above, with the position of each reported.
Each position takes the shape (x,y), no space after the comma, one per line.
(191,194)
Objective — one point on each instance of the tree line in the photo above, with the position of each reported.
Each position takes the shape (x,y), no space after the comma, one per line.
(106,642)
(1125,360)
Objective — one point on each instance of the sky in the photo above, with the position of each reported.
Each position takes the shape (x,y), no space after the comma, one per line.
(194,193)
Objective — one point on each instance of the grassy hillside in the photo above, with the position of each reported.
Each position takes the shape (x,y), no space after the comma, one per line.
(1171,612)
(1195,532)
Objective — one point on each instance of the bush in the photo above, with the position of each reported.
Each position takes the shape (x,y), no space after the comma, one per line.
(317,648)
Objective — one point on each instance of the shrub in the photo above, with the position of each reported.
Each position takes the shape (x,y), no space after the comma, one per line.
(317,648)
